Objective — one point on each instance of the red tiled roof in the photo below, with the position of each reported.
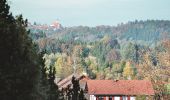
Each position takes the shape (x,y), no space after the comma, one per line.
(120,87)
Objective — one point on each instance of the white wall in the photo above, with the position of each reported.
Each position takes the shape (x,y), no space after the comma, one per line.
(107,98)
(116,98)
(92,97)
(132,98)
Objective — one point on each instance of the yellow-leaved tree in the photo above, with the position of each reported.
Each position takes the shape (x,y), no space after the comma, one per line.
(128,71)
(58,66)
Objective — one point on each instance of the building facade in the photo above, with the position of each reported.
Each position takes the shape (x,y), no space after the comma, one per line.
(118,89)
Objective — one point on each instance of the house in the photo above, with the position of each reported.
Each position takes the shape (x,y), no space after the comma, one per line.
(118,89)
(67,81)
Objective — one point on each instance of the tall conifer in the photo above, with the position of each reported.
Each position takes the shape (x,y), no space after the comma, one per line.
(19,67)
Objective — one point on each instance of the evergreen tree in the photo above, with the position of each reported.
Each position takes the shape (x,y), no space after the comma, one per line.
(73,91)
(19,67)
(81,95)
(53,93)
(77,92)
(68,93)
(49,90)
(76,88)
(43,84)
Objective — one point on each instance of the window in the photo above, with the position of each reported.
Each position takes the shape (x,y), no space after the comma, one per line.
(117,98)
(124,98)
(132,98)
(110,97)
(101,98)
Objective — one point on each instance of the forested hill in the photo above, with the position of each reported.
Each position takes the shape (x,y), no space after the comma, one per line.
(150,31)
(28,69)
(103,52)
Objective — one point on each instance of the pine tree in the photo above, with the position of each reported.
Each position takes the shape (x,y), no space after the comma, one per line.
(81,95)
(69,93)
(73,91)
(43,84)
(53,93)
(19,67)
(77,92)
(76,88)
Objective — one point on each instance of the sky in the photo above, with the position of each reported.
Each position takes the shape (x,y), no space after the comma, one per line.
(90,12)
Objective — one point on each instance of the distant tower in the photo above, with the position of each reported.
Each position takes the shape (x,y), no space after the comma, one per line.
(56,25)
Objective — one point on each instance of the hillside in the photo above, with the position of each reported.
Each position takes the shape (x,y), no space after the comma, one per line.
(54,62)
(150,31)
(104,51)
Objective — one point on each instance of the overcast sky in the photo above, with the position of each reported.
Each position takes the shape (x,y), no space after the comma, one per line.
(91,12)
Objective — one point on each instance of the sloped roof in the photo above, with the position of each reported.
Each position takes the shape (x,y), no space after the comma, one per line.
(120,87)
(67,81)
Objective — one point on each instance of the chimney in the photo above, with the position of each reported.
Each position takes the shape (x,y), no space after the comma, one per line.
(115,80)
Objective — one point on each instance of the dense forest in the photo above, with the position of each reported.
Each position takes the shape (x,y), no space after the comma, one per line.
(104,51)
(33,56)
(134,50)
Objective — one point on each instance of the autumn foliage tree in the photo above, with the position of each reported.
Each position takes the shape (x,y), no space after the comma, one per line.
(128,71)
(158,73)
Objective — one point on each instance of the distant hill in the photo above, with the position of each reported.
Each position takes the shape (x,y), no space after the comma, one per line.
(105,52)
(144,32)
